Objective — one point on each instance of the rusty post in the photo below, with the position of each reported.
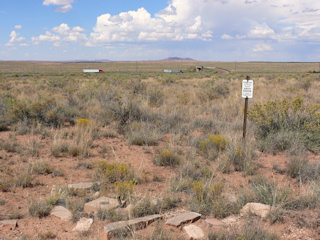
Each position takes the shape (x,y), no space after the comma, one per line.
(245,117)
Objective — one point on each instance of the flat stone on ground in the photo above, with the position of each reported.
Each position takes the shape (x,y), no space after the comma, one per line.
(194,232)
(84,186)
(11,222)
(258,209)
(215,223)
(62,213)
(134,224)
(103,203)
(183,218)
(83,225)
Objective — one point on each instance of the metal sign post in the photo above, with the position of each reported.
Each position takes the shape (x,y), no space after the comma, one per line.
(247,92)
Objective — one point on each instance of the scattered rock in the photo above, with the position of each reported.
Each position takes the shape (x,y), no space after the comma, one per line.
(259,209)
(104,203)
(12,223)
(194,232)
(183,218)
(215,223)
(96,194)
(135,224)
(83,225)
(230,220)
(83,186)
(62,213)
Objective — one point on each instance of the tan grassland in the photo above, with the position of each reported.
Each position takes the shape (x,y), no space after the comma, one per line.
(145,135)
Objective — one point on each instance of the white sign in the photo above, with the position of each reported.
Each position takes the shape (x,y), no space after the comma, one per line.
(247,88)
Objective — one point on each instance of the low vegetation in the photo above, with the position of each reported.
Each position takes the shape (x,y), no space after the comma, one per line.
(160,142)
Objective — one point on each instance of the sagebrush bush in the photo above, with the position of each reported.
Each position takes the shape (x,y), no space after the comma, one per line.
(308,199)
(39,209)
(207,199)
(124,189)
(76,208)
(141,133)
(239,156)
(41,167)
(212,145)
(114,172)
(167,157)
(23,180)
(288,115)
(111,214)
(214,141)
(126,110)
(145,207)
(270,193)
(155,97)
(212,90)
(301,169)
(82,122)
(45,110)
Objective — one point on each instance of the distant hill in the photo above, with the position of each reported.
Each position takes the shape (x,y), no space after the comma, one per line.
(89,61)
(177,59)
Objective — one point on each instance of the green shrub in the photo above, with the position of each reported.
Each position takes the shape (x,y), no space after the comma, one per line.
(113,172)
(143,134)
(39,209)
(112,214)
(45,110)
(269,193)
(124,189)
(303,170)
(213,145)
(126,110)
(207,199)
(11,146)
(155,97)
(212,90)
(303,201)
(76,208)
(167,157)
(24,180)
(214,141)
(241,158)
(288,116)
(145,207)
(41,167)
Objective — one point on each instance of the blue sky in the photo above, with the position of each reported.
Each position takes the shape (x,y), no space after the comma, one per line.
(211,30)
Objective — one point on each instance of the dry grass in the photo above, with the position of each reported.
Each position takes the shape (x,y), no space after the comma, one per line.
(189,125)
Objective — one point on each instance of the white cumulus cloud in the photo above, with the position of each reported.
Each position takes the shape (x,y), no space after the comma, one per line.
(65,5)
(18,27)
(261,31)
(262,48)
(14,38)
(226,37)
(62,34)
(248,23)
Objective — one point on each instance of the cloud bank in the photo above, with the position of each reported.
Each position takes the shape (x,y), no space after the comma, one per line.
(254,26)
(204,19)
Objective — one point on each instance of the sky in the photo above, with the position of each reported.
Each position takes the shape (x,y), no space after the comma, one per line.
(133,30)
